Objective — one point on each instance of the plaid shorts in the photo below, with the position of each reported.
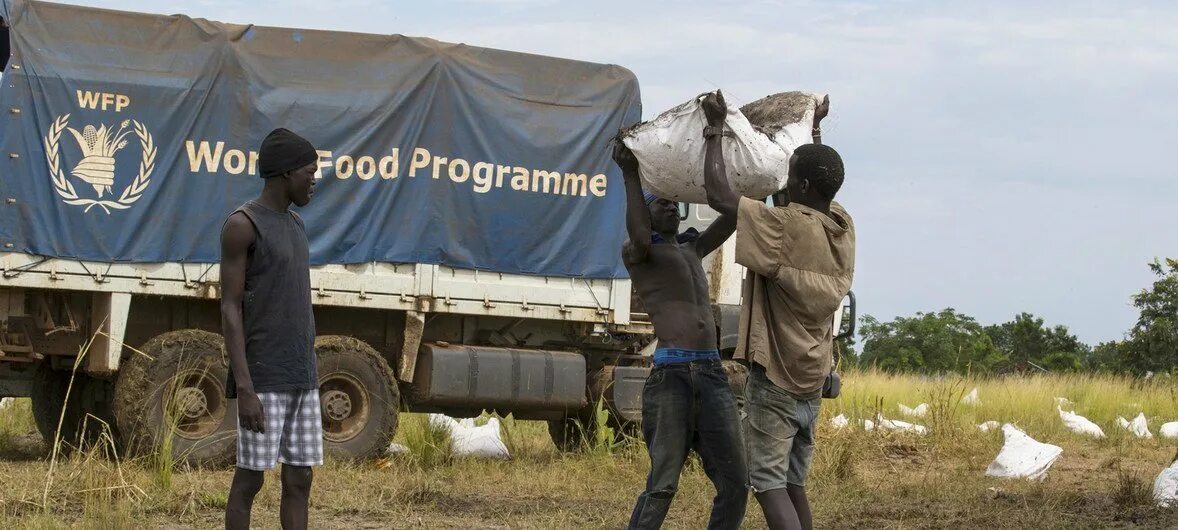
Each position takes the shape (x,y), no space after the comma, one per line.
(294,432)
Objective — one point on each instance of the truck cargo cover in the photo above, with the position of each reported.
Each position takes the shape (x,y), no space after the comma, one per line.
(130,137)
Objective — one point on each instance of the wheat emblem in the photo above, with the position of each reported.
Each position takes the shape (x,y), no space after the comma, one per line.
(97,167)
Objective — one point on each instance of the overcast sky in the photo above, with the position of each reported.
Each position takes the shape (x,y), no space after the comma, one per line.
(1001,156)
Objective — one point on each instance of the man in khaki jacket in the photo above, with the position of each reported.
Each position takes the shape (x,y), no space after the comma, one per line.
(800,258)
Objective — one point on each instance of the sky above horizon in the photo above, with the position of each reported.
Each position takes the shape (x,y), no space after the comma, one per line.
(1001,156)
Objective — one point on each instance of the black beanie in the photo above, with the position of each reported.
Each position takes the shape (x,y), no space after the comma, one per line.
(284,151)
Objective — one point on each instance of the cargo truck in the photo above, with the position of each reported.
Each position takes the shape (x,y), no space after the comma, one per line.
(465,232)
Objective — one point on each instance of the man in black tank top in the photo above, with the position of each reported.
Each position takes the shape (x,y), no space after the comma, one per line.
(269,330)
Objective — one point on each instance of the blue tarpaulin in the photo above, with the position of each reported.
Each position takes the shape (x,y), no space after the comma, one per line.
(130,137)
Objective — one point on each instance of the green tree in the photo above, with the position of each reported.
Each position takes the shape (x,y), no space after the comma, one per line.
(848,356)
(1106,357)
(1152,345)
(1062,361)
(1026,339)
(946,341)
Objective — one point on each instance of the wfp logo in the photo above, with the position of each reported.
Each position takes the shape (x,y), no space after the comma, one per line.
(98,167)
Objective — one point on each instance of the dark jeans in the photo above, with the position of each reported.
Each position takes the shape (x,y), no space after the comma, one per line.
(685,407)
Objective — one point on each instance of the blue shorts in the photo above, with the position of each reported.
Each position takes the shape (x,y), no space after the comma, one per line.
(664,356)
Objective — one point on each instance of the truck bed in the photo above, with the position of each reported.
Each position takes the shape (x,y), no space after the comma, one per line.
(418,287)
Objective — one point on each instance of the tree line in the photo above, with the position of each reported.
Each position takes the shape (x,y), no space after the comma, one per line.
(949,341)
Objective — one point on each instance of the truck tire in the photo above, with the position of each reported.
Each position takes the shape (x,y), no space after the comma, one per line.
(569,434)
(86,410)
(575,433)
(176,392)
(359,398)
(49,397)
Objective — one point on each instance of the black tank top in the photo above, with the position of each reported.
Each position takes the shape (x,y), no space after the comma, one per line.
(276,310)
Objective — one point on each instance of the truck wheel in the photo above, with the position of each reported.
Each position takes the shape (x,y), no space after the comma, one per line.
(176,392)
(359,398)
(569,434)
(49,397)
(86,410)
(578,432)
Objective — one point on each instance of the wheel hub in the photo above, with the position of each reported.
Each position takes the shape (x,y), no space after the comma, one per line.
(337,404)
(345,406)
(193,403)
(198,404)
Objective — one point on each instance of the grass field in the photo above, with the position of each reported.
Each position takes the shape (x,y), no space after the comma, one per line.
(860,479)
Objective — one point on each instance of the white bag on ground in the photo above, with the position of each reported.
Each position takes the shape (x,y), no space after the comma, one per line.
(1140,427)
(468,439)
(1122,422)
(839,422)
(868,425)
(988,426)
(442,422)
(1169,430)
(670,148)
(920,411)
(1022,456)
(972,398)
(483,442)
(1165,487)
(5,402)
(897,425)
(1079,424)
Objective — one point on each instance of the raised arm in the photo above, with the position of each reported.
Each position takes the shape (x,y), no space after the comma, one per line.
(781,198)
(236,238)
(637,212)
(820,113)
(720,195)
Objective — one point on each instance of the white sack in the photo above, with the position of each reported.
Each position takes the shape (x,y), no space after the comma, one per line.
(1140,427)
(1165,488)
(670,152)
(920,411)
(839,422)
(972,398)
(988,426)
(1079,424)
(897,425)
(5,402)
(467,439)
(442,422)
(1169,430)
(1022,456)
(397,449)
(484,441)
(868,425)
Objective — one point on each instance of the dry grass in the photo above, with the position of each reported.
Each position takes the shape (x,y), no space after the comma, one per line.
(860,479)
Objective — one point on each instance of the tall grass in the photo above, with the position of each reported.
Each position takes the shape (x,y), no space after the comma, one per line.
(107,496)
(858,479)
(1027,401)
(429,445)
(16,421)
